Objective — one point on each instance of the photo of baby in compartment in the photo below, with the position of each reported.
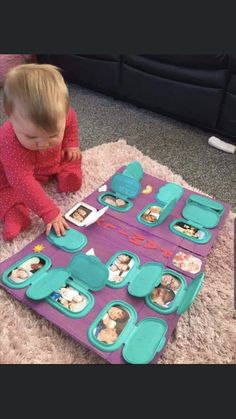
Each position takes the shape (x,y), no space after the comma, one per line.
(119,269)
(151,214)
(115,202)
(164,294)
(24,271)
(70,298)
(189,230)
(187,262)
(81,213)
(111,325)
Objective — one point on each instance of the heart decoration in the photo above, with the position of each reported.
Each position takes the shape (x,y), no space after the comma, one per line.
(147,190)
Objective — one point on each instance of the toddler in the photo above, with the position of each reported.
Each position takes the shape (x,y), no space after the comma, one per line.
(39,139)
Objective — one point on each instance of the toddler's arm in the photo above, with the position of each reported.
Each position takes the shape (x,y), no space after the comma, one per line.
(70,144)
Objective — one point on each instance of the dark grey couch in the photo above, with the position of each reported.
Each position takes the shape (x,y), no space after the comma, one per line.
(197,89)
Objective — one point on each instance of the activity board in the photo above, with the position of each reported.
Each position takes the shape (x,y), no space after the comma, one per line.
(115,286)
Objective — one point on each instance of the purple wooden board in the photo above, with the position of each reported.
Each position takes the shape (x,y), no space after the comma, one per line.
(106,239)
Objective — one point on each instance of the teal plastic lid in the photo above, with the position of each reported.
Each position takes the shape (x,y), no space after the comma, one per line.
(169,192)
(149,276)
(148,338)
(202,211)
(207,202)
(47,283)
(134,170)
(89,271)
(166,210)
(191,293)
(73,241)
(125,186)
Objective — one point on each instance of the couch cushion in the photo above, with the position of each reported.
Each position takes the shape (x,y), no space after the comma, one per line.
(106,57)
(189,102)
(193,61)
(202,77)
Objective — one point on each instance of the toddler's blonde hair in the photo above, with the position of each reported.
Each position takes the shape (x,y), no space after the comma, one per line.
(40,91)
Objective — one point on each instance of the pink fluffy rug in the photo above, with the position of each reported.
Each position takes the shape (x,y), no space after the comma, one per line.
(205,334)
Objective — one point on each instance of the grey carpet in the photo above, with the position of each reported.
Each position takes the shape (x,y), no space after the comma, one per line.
(181,147)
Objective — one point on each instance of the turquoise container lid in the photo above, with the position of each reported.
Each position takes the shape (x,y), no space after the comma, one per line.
(147,338)
(47,283)
(85,270)
(125,186)
(149,276)
(170,191)
(73,241)
(134,170)
(89,271)
(203,211)
(191,293)
(166,211)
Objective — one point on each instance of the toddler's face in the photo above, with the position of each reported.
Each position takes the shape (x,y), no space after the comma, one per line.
(116,313)
(107,335)
(19,273)
(33,137)
(124,258)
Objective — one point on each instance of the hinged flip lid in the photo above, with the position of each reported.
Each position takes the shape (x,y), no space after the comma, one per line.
(85,270)
(49,282)
(89,271)
(149,276)
(203,211)
(145,341)
(73,240)
(169,192)
(125,186)
(134,170)
(166,210)
(191,292)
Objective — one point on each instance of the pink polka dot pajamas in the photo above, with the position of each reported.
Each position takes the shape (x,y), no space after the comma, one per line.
(22,171)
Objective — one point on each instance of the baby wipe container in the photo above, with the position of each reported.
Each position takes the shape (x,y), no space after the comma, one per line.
(83,273)
(149,276)
(202,213)
(141,341)
(166,199)
(124,186)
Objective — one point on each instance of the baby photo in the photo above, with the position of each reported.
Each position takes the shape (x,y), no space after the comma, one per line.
(164,293)
(115,202)
(189,230)
(187,262)
(26,269)
(111,325)
(151,214)
(119,269)
(81,213)
(70,298)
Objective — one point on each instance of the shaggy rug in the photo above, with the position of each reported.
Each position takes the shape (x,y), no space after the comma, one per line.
(205,334)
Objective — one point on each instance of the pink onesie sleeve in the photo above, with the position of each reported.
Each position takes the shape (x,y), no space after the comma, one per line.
(71,135)
(18,164)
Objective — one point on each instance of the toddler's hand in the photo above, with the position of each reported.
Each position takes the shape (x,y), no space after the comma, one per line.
(59,225)
(71,153)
